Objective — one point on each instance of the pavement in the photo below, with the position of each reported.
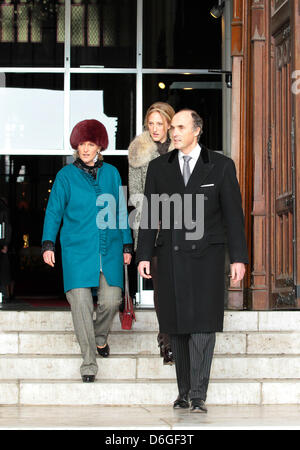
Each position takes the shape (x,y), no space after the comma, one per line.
(138,418)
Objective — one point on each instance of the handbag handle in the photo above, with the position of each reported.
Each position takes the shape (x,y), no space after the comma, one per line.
(126,279)
(126,286)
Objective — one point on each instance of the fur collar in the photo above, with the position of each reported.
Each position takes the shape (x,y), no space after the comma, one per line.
(142,150)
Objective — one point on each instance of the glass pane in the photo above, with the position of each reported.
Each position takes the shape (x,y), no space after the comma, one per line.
(31,33)
(203,93)
(103,33)
(32,112)
(177,32)
(25,184)
(110,99)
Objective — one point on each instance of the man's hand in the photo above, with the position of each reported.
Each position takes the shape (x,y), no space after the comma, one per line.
(237,272)
(49,257)
(127,258)
(144,269)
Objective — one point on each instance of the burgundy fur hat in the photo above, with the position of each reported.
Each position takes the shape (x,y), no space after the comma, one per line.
(89,130)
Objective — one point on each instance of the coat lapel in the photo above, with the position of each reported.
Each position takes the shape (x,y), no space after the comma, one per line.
(201,170)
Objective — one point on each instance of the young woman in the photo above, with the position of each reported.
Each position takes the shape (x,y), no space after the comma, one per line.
(153,142)
(92,253)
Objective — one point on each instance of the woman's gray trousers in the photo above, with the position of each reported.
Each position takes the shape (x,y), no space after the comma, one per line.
(91,333)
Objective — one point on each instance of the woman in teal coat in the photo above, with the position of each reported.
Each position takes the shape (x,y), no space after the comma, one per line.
(95,238)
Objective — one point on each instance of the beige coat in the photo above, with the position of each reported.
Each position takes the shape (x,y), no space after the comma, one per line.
(141,151)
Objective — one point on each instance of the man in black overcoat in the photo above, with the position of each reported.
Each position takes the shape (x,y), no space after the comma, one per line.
(190,249)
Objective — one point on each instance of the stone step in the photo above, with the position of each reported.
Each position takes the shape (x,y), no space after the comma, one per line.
(256,367)
(145,392)
(284,321)
(256,361)
(62,321)
(139,343)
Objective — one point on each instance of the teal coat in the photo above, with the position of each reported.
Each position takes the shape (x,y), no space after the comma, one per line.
(95,223)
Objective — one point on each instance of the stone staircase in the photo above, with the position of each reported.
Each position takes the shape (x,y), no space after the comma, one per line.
(257,361)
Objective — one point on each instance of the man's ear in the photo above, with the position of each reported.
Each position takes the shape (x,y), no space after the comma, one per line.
(198,132)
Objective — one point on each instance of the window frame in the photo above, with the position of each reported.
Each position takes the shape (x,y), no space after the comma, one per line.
(144,298)
(67,70)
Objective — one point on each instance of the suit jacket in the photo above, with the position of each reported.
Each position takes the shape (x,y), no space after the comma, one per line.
(191,270)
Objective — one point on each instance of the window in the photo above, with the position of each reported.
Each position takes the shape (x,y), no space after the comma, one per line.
(32,113)
(175,36)
(202,93)
(113,98)
(103,33)
(28,33)
(66,60)
(120,50)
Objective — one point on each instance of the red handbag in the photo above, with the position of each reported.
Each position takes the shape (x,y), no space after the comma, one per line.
(127,313)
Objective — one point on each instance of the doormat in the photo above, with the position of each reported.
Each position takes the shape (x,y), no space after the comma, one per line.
(20,303)
(47,302)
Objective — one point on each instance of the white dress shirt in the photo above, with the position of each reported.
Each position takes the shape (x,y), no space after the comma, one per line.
(194,154)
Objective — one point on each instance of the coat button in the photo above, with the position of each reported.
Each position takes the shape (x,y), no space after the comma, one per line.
(194,247)
(176,248)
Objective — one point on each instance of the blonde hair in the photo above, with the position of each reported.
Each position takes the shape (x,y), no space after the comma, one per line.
(164,109)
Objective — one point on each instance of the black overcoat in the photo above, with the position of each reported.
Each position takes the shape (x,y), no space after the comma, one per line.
(191,271)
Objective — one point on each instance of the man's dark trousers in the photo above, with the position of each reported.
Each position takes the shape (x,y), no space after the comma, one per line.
(193,357)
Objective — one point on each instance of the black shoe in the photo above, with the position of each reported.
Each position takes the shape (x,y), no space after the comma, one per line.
(165,350)
(104,352)
(182,402)
(198,406)
(88,378)
(168,357)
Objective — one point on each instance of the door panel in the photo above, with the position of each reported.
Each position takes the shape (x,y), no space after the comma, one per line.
(281,192)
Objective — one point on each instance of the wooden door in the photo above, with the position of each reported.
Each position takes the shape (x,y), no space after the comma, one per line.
(281,155)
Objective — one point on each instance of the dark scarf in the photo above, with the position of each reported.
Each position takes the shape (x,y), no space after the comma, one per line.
(163,147)
(91,170)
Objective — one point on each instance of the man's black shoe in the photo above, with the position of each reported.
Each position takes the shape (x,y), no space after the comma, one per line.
(181,402)
(198,406)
